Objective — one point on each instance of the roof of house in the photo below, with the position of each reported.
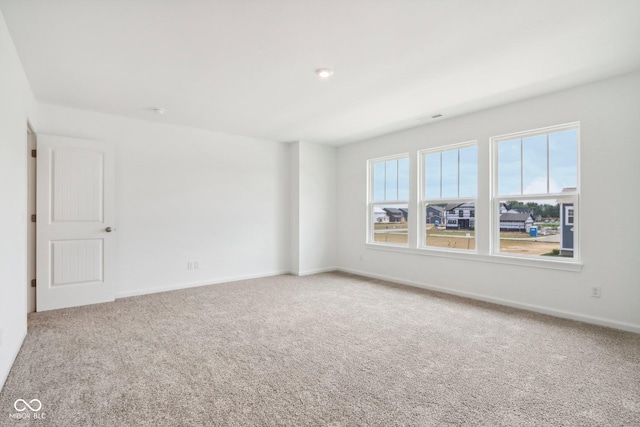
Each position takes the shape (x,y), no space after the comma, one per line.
(438,208)
(452,206)
(515,216)
(393,211)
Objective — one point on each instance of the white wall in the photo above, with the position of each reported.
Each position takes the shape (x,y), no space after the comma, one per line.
(17,104)
(317,208)
(294,201)
(187,194)
(313,214)
(609,113)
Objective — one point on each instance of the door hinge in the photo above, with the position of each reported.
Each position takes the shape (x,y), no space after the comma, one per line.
(33,283)
(33,218)
(34,153)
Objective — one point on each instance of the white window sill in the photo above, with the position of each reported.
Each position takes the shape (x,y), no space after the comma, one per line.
(474,256)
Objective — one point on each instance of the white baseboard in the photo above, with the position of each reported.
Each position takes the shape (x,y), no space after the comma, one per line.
(530,307)
(314,271)
(176,287)
(5,372)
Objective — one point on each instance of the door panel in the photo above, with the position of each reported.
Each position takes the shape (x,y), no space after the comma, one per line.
(75,253)
(76,261)
(77,181)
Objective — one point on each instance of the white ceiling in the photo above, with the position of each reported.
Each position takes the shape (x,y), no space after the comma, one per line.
(247,66)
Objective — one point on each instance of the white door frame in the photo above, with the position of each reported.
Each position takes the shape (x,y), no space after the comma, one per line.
(32,144)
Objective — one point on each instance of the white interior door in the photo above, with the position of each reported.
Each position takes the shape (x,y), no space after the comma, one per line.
(75,222)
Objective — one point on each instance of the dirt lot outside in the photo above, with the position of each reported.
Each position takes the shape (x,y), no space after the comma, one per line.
(512,243)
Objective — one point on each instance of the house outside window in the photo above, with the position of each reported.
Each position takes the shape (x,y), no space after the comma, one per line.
(449,180)
(567,239)
(535,175)
(388,200)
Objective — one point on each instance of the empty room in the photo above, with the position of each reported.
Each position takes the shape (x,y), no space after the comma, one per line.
(338,213)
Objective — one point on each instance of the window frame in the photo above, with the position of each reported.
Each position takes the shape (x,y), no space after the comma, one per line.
(423,201)
(371,204)
(570,196)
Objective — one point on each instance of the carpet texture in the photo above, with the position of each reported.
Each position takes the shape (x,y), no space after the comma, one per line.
(326,350)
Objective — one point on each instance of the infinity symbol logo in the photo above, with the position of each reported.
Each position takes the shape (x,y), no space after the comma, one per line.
(26,405)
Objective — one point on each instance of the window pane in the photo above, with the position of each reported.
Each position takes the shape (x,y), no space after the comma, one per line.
(534,169)
(469,172)
(451,226)
(390,224)
(563,160)
(378,181)
(432,176)
(509,167)
(450,174)
(391,182)
(403,179)
(536,228)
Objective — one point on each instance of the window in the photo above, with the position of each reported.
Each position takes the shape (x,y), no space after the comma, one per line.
(389,200)
(536,174)
(449,183)
(569,215)
(533,200)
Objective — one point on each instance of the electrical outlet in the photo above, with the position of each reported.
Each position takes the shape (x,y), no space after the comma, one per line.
(196,265)
(361,257)
(596,291)
(189,265)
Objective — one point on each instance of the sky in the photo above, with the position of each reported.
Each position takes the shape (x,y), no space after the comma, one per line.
(391,180)
(451,174)
(459,177)
(533,164)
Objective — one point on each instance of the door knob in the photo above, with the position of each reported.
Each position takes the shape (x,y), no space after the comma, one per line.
(108,229)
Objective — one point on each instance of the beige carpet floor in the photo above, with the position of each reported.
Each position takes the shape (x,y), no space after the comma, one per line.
(325,350)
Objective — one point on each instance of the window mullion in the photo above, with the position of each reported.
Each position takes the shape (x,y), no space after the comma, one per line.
(521,166)
(385,180)
(458,173)
(397,179)
(548,172)
(440,175)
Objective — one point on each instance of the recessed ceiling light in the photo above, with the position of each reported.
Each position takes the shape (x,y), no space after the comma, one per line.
(158,110)
(324,73)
